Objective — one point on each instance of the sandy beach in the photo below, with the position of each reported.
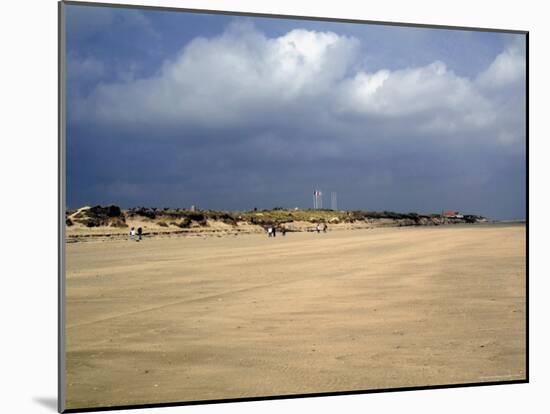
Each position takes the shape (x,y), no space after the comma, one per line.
(187,319)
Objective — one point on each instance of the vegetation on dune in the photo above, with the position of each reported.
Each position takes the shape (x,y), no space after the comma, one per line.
(182,218)
(97,216)
(325,216)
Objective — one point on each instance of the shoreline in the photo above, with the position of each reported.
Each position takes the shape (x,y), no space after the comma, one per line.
(107,235)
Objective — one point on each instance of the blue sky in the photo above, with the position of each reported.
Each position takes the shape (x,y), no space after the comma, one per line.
(227,112)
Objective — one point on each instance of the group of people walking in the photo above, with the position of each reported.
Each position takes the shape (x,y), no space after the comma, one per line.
(272,231)
(136,235)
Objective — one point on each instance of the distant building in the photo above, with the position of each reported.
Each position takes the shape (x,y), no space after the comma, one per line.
(193,208)
(452,214)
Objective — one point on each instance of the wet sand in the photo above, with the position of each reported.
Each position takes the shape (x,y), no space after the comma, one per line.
(187,319)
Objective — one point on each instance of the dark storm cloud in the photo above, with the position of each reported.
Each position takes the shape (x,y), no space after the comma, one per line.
(238,117)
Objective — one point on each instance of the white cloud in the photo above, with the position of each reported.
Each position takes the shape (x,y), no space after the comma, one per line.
(224,79)
(242,78)
(433,95)
(506,70)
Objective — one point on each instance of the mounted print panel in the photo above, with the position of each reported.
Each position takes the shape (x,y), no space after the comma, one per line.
(273,206)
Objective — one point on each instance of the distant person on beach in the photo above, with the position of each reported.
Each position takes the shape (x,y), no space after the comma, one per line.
(132,233)
(269,231)
(139,233)
(325,227)
(274,231)
(283,230)
(318,228)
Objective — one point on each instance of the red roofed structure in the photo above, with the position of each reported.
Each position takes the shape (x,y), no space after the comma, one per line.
(452,214)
